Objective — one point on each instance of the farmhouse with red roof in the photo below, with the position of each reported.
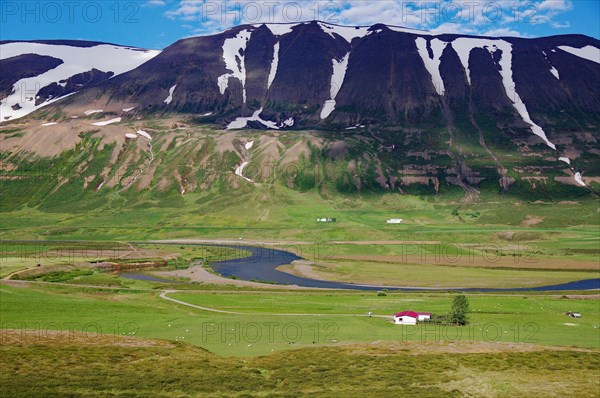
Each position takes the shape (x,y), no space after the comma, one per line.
(410,317)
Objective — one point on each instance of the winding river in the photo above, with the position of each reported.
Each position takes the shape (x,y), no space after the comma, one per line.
(262,263)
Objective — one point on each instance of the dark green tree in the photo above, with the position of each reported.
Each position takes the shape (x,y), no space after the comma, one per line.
(460,307)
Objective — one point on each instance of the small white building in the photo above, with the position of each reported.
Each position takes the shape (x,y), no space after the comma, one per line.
(395,221)
(424,316)
(410,317)
(326,219)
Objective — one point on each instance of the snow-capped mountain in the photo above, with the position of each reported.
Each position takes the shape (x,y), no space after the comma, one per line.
(316,73)
(35,74)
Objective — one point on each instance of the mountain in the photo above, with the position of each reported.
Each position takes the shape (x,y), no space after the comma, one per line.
(320,73)
(349,109)
(38,73)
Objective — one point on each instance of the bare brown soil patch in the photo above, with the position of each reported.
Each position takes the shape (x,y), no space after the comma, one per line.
(530,220)
(305,269)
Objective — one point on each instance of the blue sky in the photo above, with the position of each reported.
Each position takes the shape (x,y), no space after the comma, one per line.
(158,23)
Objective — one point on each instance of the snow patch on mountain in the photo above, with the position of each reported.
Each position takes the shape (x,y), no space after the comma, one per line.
(144,134)
(288,122)
(361,126)
(553,70)
(107,122)
(274,65)
(348,33)
(76,60)
(464,46)
(278,29)
(337,79)
(92,111)
(49,124)
(242,122)
(240,170)
(233,54)
(339,73)
(590,53)
(328,107)
(249,145)
(432,64)
(131,136)
(408,30)
(169,99)
(566,160)
(128,109)
(579,179)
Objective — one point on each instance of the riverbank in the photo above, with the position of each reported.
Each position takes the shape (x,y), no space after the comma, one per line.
(266,264)
(197,273)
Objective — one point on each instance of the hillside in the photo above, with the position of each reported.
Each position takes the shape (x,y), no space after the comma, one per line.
(338,110)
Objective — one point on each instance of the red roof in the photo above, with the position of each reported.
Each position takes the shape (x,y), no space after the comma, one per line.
(411,314)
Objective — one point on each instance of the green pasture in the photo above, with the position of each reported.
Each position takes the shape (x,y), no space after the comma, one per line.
(274,321)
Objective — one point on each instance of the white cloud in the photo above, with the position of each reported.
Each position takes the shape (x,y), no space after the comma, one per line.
(545,11)
(186,10)
(372,12)
(443,16)
(503,32)
(455,28)
(555,5)
(561,25)
(155,3)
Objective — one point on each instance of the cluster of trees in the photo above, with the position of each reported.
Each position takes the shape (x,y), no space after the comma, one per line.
(460,307)
(458,313)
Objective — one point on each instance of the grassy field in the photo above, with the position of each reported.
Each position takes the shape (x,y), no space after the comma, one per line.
(274,321)
(432,275)
(275,212)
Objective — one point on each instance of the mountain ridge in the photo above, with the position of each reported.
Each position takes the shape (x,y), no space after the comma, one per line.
(210,64)
(292,91)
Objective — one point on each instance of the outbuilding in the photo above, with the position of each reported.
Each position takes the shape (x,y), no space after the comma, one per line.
(424,316)
(395,221)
